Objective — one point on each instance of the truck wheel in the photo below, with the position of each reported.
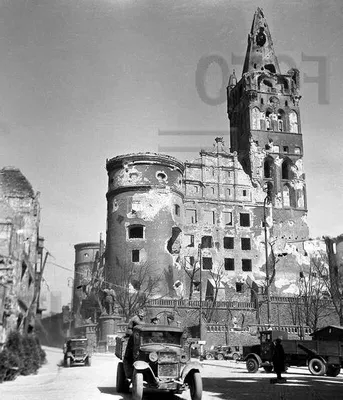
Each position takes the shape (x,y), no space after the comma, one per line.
(88,362)
(195,386)
(317,367)
(209,356)
(220,357)
(122,383)
(252,365)
(137,386)
(333,370)
(67,362)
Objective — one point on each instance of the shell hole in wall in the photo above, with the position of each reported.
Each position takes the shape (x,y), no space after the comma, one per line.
(161,176)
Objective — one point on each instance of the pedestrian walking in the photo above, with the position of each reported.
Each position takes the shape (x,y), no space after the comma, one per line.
(278,360)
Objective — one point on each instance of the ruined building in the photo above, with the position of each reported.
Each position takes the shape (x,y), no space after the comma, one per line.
(19,251)
(217,211)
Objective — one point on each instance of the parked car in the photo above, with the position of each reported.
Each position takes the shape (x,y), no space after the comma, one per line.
(161,360)
(76,352)
(224,353)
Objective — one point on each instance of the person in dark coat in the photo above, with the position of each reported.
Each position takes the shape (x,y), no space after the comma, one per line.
(137,319)
(278,359)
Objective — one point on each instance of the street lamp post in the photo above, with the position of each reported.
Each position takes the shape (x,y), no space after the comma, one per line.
(265,202)
(200,303)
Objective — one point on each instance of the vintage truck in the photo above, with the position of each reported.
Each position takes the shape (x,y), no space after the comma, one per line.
(322,357)
(158,357)
(77,352)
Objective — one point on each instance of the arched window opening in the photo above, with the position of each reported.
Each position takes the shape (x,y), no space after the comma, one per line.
(268,167)
(268,120)
(300,198)
(270,68)
(267,83)
(286,170)
(255,116)
(293,122)
(281,120)
(285,196)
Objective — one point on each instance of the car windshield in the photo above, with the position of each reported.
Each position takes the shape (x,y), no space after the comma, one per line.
(78,343)
(162,337)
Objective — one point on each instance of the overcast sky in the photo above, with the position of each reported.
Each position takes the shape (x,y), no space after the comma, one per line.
(86,80)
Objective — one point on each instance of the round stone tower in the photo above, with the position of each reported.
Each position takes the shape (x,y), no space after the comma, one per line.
(144,220)
(85,256)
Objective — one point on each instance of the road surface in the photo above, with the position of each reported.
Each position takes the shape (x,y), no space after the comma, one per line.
(221,380)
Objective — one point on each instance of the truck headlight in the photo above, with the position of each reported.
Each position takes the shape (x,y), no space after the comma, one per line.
(153,357)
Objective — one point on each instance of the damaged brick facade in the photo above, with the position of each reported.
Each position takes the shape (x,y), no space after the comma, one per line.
(144,220)
(19,247)
(213,211)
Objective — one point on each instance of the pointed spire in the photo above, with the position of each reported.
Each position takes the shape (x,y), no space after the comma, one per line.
(260,55)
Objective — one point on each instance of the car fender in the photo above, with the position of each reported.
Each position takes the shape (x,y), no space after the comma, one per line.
(192,366)
(254,355)
(144,367)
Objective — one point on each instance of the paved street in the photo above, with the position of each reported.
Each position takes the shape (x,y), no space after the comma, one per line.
(221,379)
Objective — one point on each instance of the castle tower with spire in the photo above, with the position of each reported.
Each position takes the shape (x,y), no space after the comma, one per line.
(265,130)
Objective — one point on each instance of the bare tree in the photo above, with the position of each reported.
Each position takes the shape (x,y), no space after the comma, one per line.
(334,281)
(313,284)
(191,269)
(216,277)
(134,287)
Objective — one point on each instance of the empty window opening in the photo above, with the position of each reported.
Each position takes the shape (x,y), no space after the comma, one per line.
(189,240)
(229,264)
(136,232)
(280,125)
(244,192)
(286,103)
(286,170)
(30,280)
(262,101)
(270,68)
(177,209)
(209,217)
(207,263)
(267,168)
(297,150)
(245,244)
(191,216)
(227,216)
(293,122)
(285,149)
(228,242)
(239,287)
(244,219)
(246,265)
(135,256)
(206,242)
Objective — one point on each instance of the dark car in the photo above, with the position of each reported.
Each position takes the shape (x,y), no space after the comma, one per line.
(160,359)
(76,352)
(224,353)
